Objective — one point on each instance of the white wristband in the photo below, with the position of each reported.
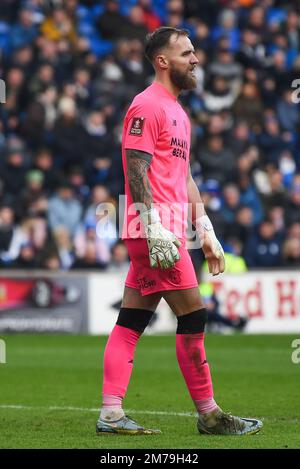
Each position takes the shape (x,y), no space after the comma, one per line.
(150,216)
(204,223)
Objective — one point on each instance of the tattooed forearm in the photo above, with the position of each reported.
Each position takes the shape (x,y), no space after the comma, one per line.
(138,163)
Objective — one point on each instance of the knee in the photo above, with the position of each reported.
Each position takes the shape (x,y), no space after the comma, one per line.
(192,323)
(134,318)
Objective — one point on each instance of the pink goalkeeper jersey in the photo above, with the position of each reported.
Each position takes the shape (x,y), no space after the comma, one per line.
(157,124)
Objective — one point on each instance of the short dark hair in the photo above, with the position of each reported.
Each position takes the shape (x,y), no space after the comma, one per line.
(160,38)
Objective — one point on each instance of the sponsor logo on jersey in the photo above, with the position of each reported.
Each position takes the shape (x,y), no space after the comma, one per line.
(145,282)
(180,147)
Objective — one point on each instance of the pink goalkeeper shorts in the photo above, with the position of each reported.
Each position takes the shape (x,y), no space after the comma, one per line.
(148,280)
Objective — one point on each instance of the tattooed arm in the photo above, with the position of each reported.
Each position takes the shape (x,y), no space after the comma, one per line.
(138,163)
(162,244)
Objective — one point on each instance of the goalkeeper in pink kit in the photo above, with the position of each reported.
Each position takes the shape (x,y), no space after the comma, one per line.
(159,187)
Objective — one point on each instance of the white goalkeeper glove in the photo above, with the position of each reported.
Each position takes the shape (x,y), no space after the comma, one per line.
(211,247)
(162,243)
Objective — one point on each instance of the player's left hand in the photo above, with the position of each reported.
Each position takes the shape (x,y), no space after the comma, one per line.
(213,253)
(211,247)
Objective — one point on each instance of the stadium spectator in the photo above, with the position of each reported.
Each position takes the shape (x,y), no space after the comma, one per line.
(134,27)
(263,248)
(288,112)
(249,197)
(26,258)
(51,261)
(225,66)
(291,252)
(32,191)
(217,322)
(277,193)
(292,211)
(231,202)
(292,29)
(59,26)
(16,94)
(90,258)
(271,140)
(13,172)
(100,195)
(217,162)
(150,19)
(98,227)
(68,136)
(97,139)
(43,161)
(252,51)
(256,20)
(24,31)
(36,230)
(83,87)
(43,78)
(220,95)
(242,227)
(12,237)
(111,22)
(64,247)
(64,209)
(23,58)
(227,27)
(119,258)
(248,106)
(291,246)
(77,180)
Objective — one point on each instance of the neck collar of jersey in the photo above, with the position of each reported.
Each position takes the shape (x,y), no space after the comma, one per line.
(164,90)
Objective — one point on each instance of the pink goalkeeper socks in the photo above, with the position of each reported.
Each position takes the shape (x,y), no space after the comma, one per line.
(192,361)
(114,402)
(118,364)
(205,406)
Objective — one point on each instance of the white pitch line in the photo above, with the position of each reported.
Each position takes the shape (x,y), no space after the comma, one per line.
(84,409)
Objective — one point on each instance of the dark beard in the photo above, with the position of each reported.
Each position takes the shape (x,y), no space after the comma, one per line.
(183,81)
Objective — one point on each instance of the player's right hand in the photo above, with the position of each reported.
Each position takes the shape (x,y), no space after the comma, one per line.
(162,243)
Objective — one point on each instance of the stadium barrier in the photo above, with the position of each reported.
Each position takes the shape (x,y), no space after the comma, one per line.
(269,299)
(89,302)
(39,301)
(104,305)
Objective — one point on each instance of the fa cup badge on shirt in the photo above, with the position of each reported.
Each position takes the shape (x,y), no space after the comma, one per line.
(137,126)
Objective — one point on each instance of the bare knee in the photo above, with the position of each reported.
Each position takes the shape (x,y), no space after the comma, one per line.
(184,301)
(132,298)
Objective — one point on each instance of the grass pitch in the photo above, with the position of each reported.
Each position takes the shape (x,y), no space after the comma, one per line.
(56,381)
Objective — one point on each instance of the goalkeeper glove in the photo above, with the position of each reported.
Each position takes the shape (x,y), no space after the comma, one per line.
(211,247)
(162,243)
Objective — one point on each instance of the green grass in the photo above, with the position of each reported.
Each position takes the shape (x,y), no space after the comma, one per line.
(253,376)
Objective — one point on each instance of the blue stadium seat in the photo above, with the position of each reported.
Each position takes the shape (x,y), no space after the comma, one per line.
(126,6)
(83,13)
(86,29)
(96,11)
(100,47)
(4,36)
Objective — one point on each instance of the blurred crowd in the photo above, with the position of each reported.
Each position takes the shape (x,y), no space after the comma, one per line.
(71,69)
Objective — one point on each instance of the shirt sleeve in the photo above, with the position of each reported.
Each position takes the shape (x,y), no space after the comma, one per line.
(143,126)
